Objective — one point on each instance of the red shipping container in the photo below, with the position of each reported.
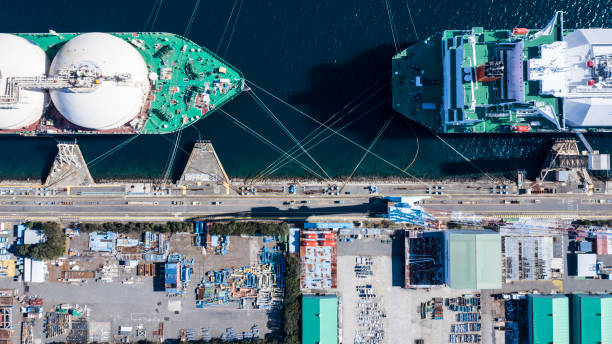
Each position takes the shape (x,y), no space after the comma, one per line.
(329,236)
(328,243)
(36,302)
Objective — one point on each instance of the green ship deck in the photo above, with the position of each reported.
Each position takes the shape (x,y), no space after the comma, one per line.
(481,81)
(192,81)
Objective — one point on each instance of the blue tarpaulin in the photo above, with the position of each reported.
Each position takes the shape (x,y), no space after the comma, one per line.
(327,225)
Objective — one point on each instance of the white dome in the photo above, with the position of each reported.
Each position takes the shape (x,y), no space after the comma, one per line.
(109,104)
(20,57)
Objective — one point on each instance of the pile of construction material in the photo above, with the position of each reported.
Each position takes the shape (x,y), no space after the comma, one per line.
(259,286)
(468,326)
(230,335)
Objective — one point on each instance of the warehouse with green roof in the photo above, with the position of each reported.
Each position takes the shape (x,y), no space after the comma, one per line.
(319,319)
(472,259)
(548,319)
(592,319)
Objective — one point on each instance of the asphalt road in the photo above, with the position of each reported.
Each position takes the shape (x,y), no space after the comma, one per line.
(346,206)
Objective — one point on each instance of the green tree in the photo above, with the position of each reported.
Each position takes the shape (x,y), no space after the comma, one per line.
(53,247)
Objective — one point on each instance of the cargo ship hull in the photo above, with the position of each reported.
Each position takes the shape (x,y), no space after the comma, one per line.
(507,81)
(184,83)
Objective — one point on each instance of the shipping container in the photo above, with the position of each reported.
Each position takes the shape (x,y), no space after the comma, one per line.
(329,236)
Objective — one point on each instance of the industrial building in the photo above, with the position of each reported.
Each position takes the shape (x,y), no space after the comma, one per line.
(602,245)
(531,258)
(34,271)
(405,210)
(172,275)
(424,259)
(472,259)
(102,242)
(582,264)
(319,319)
(327,225)
(33,236)
(591,319)
(319,259)
(548,318)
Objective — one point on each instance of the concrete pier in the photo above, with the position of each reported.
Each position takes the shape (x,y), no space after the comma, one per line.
(204,171)
(69,168)
(565,157)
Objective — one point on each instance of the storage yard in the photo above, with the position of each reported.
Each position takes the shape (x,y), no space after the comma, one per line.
(395,312)
(111,287)
(195,286)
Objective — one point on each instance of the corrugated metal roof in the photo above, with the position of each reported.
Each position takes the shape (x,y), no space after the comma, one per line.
(548,319)
(319,319)
(592,319)
(473,259)
(34,271)
(323,225)
(102,242)
(33,236)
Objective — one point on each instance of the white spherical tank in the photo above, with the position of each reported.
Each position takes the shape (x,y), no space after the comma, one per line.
(21,58)
(109,104)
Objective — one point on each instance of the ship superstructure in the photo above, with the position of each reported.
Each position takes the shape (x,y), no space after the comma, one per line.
(520,80)
(96,83)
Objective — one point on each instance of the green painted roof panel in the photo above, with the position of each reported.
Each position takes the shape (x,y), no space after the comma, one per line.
(549,319)
(488,262)
(319,319)
(592,323)
(462,261)
(474,260)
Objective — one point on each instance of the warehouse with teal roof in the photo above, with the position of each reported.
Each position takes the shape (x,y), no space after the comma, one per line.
(472,259)
(319,319)
(548,317)
(592,319)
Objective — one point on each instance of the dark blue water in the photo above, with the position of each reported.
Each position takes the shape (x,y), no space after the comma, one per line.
(317,55)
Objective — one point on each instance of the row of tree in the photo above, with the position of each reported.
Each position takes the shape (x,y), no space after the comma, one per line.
(249,228)
(53,247)
(136,227)
(586,222)
(292,304)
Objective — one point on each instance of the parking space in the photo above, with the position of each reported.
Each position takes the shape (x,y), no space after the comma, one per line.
(402,307)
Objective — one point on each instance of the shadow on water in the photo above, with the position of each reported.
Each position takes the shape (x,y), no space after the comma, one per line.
(499,167)
(48,162)
(333,86)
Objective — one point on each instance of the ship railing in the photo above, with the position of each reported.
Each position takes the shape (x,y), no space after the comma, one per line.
(14,85)
(12,94)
